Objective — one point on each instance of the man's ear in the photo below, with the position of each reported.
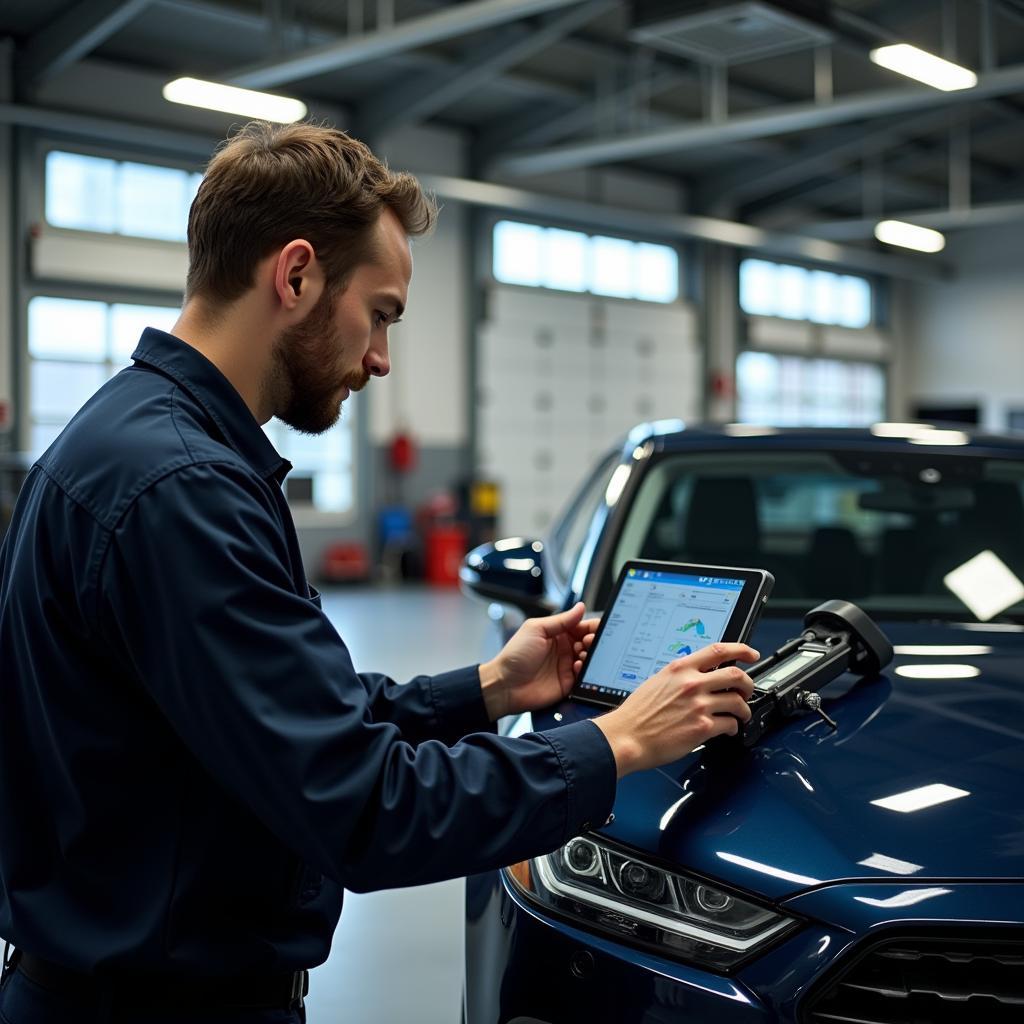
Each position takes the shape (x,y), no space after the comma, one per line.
(298,278)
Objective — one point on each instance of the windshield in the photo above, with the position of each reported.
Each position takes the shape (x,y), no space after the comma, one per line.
(894,532)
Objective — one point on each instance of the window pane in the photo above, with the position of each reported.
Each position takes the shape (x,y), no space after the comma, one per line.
(792,293)
(757,287)
(517,253)
(565,260)
(656,273)
(59,390)
(332,492)
(825,298)
(80,191)
(611,266)
(855,302)
(42,436)
(152,202)
(795,391)
(67,328)
(127,322)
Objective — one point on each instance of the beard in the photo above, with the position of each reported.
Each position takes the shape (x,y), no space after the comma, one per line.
(307,374)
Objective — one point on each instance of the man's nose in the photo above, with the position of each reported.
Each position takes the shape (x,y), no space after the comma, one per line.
(377,362)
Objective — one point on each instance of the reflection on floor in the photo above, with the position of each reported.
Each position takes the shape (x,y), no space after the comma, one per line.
(397,956)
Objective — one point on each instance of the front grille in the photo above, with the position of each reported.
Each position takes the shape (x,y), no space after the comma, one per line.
(925,980)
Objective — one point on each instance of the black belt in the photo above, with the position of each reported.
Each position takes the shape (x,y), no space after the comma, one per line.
(257,992)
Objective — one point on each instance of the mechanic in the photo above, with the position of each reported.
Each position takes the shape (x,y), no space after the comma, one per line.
(191,769)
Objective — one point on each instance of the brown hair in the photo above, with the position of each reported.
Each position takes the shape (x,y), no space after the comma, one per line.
(270,184)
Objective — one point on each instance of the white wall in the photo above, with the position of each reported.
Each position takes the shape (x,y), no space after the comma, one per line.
(427,392)
(967,335)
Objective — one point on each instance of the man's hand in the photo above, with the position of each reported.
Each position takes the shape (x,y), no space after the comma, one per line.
(538,666)
(684,705)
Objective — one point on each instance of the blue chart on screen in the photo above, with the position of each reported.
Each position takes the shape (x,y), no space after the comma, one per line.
(656,618)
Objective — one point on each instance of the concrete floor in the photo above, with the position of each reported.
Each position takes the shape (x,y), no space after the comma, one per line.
(397,955)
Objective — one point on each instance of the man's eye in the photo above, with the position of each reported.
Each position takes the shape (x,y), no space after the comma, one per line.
(380,319)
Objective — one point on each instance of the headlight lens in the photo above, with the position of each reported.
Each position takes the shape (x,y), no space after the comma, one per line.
(613,891)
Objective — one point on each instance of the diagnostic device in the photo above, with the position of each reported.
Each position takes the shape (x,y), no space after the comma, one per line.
(838,637)
(661,611)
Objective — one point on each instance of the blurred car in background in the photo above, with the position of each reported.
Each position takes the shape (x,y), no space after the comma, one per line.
(867,874)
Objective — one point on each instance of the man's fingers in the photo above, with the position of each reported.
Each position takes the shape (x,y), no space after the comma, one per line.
(729,704)
(710,657)
(554,625)
(733,678)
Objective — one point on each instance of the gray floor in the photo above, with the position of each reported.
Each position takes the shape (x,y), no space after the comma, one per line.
(397,955)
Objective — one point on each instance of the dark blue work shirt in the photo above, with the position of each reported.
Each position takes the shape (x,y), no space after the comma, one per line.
(191,769)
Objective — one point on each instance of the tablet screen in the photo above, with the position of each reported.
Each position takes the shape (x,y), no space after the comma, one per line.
(657,616)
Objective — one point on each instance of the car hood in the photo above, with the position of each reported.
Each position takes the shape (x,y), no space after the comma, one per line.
(800,809)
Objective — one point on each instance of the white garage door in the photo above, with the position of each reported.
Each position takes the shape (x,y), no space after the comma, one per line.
(562,377)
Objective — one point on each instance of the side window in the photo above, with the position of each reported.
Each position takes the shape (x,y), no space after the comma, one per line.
(571,532)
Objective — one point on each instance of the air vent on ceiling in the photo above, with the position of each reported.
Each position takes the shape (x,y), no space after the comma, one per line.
(729,33)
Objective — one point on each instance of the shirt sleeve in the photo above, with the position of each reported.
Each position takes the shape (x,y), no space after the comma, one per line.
(444,707)
(196,601)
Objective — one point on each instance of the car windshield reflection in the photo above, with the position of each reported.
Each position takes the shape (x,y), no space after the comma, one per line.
(890,531)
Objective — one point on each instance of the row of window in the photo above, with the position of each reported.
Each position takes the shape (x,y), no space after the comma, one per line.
(534,256)
(91,193)
(571,261)
(76,345)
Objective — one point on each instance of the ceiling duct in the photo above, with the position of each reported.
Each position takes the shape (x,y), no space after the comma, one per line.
(731,33)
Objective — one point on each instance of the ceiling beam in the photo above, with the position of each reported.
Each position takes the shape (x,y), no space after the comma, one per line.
(987,215)
(535,128)
(835,151)
(449,23)
(192,145)
(921,158)
(793,117)
(430,94)
(72,35)
(677,226)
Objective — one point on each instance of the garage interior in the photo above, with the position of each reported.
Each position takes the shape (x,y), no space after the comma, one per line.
(651,211)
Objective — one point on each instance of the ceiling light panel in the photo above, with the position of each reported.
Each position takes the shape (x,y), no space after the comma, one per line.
(229,99)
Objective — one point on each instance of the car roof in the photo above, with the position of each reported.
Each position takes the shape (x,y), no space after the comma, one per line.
(950,438)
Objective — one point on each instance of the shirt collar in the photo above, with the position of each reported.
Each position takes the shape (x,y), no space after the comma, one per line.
(216,394)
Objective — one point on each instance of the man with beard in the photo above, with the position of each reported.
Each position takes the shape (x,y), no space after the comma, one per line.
(191,769)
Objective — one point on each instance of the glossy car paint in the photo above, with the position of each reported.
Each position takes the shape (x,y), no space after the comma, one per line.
(791,822)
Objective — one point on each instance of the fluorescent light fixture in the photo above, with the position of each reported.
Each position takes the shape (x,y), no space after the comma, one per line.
(890,865)
(938,671)
(909,236)
(986,584)
(903,899)
(942,650)
(920,798)
(925,67)
(194,92)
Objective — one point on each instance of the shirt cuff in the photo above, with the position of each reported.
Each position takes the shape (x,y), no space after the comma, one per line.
(459,704)
(588,766)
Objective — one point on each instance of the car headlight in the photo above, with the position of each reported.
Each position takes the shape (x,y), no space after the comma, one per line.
(609,889)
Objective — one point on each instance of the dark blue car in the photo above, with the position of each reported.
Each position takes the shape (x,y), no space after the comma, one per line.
(867,874)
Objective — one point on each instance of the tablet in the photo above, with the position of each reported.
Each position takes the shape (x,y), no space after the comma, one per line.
(661,611)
